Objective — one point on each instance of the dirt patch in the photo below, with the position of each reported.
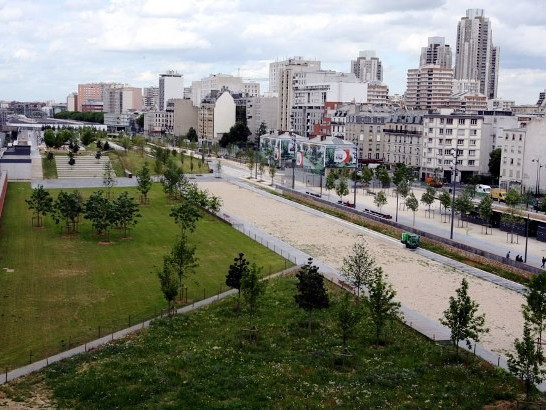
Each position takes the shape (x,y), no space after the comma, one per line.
(105,243)
(40,397)
(8,270)
(68,273)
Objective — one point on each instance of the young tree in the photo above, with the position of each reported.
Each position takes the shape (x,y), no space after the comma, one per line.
(485,210)
(311,291)
(125,211)
(383,308)
(139,142)
(168,282)
(412,204)
(445,199)
(463,205)
(173,179)
(342,188)
(182,258)
(526,364)
(108,177)
(272,172)
(348,317)
(238,269)
(262,129)
(358,267)
(462,318)
(331,181)
(126,144)
(50,138)
(40,202)
(261,167)
(100,211)
(495,162)
(428,197)
(144,180)
(534,311)
(192,135)
(367,176)
(252,288)
(186,215)
(68,206)
(380,200)
(250,161)
(383,176)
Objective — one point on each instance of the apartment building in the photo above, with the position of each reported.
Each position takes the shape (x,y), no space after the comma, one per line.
(275,69)
(378,94)
(261,109)
(171,86)
(428,87)
(216,115)
(512,144)
(117,100)
(402,139)
(367,67)
(365,130)
(436,53)
(150,98)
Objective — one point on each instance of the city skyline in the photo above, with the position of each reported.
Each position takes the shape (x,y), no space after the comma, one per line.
(50,47)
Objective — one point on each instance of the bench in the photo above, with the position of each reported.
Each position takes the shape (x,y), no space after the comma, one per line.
(128,173)
(370,192)
(313,194)
(378,214)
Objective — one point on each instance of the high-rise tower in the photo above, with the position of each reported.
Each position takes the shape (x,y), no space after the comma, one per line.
(367,67)
(476,57)
(436,53)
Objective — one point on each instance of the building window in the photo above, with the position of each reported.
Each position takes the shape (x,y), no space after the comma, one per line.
(520,137)
(449,121)
(470,162)
(473,132)
(459,162)
(461,121)
(472,142)
(441,120)
(430,129)
(440,141)
(430,140)
(473,121)
(471,153)
(448,141)
(449,131)
(441,131)
(460,142)
(447,152)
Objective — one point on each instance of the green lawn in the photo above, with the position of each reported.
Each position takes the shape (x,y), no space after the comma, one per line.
(134,160)
(204,360)
(49,168)
(62,289)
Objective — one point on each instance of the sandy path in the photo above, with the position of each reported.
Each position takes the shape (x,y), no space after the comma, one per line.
(421,284)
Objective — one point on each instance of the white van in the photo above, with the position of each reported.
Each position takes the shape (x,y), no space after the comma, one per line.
(483,189)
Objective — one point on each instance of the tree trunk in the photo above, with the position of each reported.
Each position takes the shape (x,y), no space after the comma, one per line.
(310,318)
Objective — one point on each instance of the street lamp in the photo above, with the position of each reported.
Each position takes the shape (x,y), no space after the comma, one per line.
(537,180)
(455,154)
(293,159)
(355,175)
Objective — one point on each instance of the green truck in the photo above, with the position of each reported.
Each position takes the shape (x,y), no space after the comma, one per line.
(411,240)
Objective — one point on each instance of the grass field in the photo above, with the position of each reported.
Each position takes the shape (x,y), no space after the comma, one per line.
(62,289)
(133,160)
(203,360)
(49,168)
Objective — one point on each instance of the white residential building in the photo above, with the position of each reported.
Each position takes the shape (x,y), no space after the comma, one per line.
(215,117)
(428,87)
(367,67)
(436,53)
(217,82)
(72,102)
(171,85)
(512,144)
(150,98)
(276,67)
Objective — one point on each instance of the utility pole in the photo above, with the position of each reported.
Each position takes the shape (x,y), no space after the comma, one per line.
(455,153)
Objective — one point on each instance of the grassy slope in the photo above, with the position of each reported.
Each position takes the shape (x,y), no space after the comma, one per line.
(134,160)
(65,288)
(49,168)
(201,360)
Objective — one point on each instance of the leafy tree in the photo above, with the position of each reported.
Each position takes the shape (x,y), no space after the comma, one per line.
(87,136)
(68,206)
(126,211)
(445,199)
(173,179)
(100,211)
(262,129)
(252,288)
(108,180)
(186,215)
(192,135)
(485,209)
(380,200)
(528,198)
(403,188)
(513,198)
(534,311)
(140,142)
(526,364)
(182,258)
(49,138)
(495,162)
(144,181)
(106,146)
(401,172)
(463,205)
(429,196)
(311,291)
(40,202)
(412,204)
(238,269)
(462,318)
(272,172)
(250,161)
(383,308)
(168,282)
(261,168)
(126,143)
(348,317)
(342,188)
(358,267)
(367,176)
(331,180)
(383,176)
(140,121)
(237,135)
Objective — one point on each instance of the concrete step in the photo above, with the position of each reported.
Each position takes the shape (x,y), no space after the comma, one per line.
(85,167)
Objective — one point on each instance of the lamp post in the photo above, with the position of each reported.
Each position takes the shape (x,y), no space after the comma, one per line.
(293,159)
(455,153)
(537,180)
(356,169)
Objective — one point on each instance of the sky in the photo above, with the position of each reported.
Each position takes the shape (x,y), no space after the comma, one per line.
(47,47)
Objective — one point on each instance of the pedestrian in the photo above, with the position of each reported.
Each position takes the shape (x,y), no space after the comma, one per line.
(508,255)
(543,262)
